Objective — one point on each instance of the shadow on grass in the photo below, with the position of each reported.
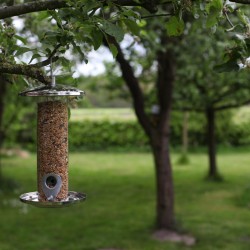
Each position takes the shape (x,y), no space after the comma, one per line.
(243,199)
(8,185)
(183,160)
(214,178)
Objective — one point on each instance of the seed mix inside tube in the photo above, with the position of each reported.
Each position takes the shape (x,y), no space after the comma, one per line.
(52,145)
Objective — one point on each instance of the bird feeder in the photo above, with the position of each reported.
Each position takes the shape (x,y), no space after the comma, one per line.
(52,146)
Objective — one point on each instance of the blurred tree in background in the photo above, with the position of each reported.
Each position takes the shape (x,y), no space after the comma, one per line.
(199,88)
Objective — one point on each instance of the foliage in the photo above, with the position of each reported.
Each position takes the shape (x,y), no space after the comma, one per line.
(18,117)
(205,89)
(239,134)
(105,90)
(236,56)
(124,184)
(84,25)
(183,159)
(106,134)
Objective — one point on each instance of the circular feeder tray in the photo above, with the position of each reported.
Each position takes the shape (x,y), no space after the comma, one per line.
(73,198)
(48,90)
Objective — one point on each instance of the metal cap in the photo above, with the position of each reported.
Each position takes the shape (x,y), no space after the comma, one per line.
(50,90)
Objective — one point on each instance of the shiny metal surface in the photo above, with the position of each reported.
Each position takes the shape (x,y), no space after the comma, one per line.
(32,199)
(52,90)
(51,191)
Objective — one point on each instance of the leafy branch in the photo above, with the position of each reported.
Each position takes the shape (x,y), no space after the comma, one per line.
(36,6)
(51,58)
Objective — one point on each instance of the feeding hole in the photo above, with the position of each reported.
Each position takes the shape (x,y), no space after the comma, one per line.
(51,181)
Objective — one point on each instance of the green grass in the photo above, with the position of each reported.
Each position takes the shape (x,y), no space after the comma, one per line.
(96,114)
(119,211)
(240,114)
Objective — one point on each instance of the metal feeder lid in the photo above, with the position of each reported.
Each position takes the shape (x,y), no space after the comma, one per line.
(52,90)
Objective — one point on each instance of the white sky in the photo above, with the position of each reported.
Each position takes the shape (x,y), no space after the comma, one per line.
(95,65)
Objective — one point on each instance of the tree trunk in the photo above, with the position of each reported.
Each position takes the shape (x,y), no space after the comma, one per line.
(183,159)
(213,172)
(158,132)
(185,133)
(2,94)
(164,182)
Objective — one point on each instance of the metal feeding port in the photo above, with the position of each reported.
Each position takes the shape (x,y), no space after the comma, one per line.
(52,147)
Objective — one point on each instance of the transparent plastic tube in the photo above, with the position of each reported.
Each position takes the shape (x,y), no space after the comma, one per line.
(52,147)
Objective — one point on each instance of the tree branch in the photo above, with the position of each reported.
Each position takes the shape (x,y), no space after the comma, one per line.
(26,70)
(45,62)
(241,1)
(35,6)
(20,9)
(50,59)
(234,105)
(189,109)
(157,15)
(135,90)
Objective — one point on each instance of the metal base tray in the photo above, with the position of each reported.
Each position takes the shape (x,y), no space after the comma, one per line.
(32,199)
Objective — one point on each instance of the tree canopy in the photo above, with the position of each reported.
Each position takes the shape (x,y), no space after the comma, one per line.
(82,25)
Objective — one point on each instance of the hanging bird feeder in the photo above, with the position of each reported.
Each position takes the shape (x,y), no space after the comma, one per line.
(52,146)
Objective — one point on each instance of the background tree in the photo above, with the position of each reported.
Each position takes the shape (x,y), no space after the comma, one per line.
(156,128)
(199,88)
(184,150)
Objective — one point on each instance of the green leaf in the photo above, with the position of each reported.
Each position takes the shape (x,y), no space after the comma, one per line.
(78,49)
(55,15)
(227,67)
(113,49)
(48,51)
(216,4)
(91,4)
(132,26)
(42,15)
(64,61)
(130,13)
(214,10)
(212,17)
(243,18)
(97,38)
(113,30)
(22,39)
(50,37)
(22,50)
(35,56)
(175,26)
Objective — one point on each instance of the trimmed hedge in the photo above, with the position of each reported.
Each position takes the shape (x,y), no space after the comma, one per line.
(107,134)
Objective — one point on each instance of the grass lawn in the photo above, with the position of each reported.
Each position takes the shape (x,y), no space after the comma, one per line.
(120,114)
(119,211)
(97,114)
